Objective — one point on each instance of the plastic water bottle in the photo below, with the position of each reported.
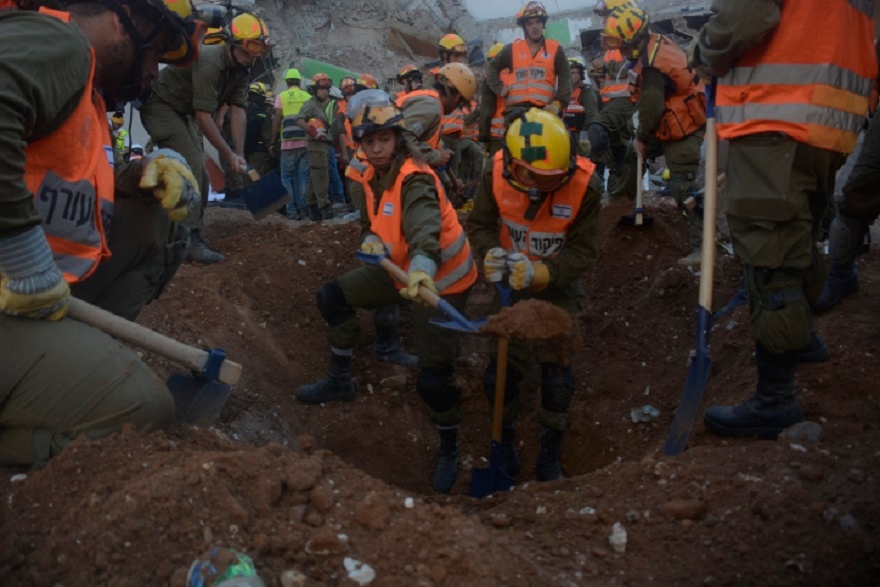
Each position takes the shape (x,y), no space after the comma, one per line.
(204,571)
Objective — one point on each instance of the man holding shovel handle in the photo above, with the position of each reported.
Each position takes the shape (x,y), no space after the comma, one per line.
(545,199)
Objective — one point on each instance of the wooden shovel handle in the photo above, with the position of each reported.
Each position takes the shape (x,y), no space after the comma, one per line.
(146,339)
(401,276)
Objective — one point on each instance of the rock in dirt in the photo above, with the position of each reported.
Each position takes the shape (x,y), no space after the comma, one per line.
(685,509)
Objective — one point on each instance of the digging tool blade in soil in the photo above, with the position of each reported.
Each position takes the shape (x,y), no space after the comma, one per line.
(198,398)
(265,195)
(426,294)
(485,482)
(638,218)
(698,372)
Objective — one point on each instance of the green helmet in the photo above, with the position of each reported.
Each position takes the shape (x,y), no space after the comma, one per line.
(291,74)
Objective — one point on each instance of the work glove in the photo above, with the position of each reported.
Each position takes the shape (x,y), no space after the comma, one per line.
(170,179)
(554,107)
(525,273)
(421,273)
(31,284)
(373,245)
(495,264)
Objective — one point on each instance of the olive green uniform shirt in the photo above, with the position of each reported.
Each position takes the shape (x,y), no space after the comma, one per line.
(504,60)
(422,115)
(735,27)
(313,109)
(204,85)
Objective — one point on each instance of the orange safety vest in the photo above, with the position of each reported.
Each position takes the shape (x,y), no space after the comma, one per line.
(533,77)
(544,237)
(612,85)
(402,99)
(457,271)
(498,125)
(470,131)
(452,123)
(74,193)
(811,78)
(575,113)
(685,111)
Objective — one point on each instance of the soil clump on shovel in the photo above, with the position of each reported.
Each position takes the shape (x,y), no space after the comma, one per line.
(530,320)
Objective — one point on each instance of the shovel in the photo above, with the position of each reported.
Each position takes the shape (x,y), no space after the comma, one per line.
(266,195)
(638,218)
(698,372)
(484,482)
(426,294)
(198,398)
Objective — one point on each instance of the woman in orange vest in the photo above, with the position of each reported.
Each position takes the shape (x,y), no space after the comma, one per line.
(795,84)
(406,217)
(535,223)
(671,107)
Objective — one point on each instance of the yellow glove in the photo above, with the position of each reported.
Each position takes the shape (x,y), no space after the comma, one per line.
(170,179)
(414,280)
(373,245)
(554,107)
(50,304)
(495,264)
(525,273)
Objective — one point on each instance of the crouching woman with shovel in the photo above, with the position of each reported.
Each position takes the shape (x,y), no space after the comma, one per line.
(416,248)
(536,220)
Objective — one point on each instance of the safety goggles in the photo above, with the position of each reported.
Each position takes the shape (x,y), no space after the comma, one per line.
(255,47)
(530,177)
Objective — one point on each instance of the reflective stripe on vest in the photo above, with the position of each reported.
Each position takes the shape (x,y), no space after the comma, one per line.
(404,99)
(457,271)
(533,77)
(544,237)
(453,123)
(615,83)
(74,193)
(470,131)
(685,107)
(498,124)
(292,101)
(817,93)
(575,113)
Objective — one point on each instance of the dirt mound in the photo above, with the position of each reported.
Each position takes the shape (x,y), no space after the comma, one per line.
(302,487)
(530,320)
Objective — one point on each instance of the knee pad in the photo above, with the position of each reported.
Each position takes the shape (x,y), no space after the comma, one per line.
(781,319)
(332,304)
(557,387)
(437,389)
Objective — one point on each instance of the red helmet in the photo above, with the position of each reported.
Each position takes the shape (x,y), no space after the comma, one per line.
(322,80)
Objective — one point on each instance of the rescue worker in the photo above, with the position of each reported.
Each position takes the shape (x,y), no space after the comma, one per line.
(233,182)
(791,108)
(451,48)
(856,212)
(291,139)
(410,77)
(60,378)
(312,118)
(335,190)
(613,129)
(120,135)
(535,224)
(671,106)
(423,112)
(583,108)
(180,108)
(538,70)
(491,111)
(137,152)
(345,144)
(258,133)
(405,217)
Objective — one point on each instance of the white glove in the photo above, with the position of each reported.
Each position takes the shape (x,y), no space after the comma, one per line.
(495,264)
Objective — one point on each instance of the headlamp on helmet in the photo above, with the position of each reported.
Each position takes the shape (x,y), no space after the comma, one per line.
(371,111)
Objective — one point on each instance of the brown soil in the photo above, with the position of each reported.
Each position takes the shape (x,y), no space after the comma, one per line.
(529,320)
(301,488)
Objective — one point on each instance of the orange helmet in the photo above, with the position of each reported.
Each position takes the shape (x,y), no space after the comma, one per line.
(347,85)
(322,81)
(365,81)
(531,10)
(409,72)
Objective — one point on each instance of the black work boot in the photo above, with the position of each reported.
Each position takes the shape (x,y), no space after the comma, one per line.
(447,460)
(549,468)
(815,352)
(314,214)
(198,250)
(771,410)
(510,462)
(843,281)
(326,213)
(386,348)
(337,386)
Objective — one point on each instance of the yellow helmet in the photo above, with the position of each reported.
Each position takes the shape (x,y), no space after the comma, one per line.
(531,10)
(605,8)
(452,43)
(371,111)
(624,27)
(189,31)
(214,36)
(460,77)
(538,151)
(250,32)
(118,118)
(577,61)
(494,50)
